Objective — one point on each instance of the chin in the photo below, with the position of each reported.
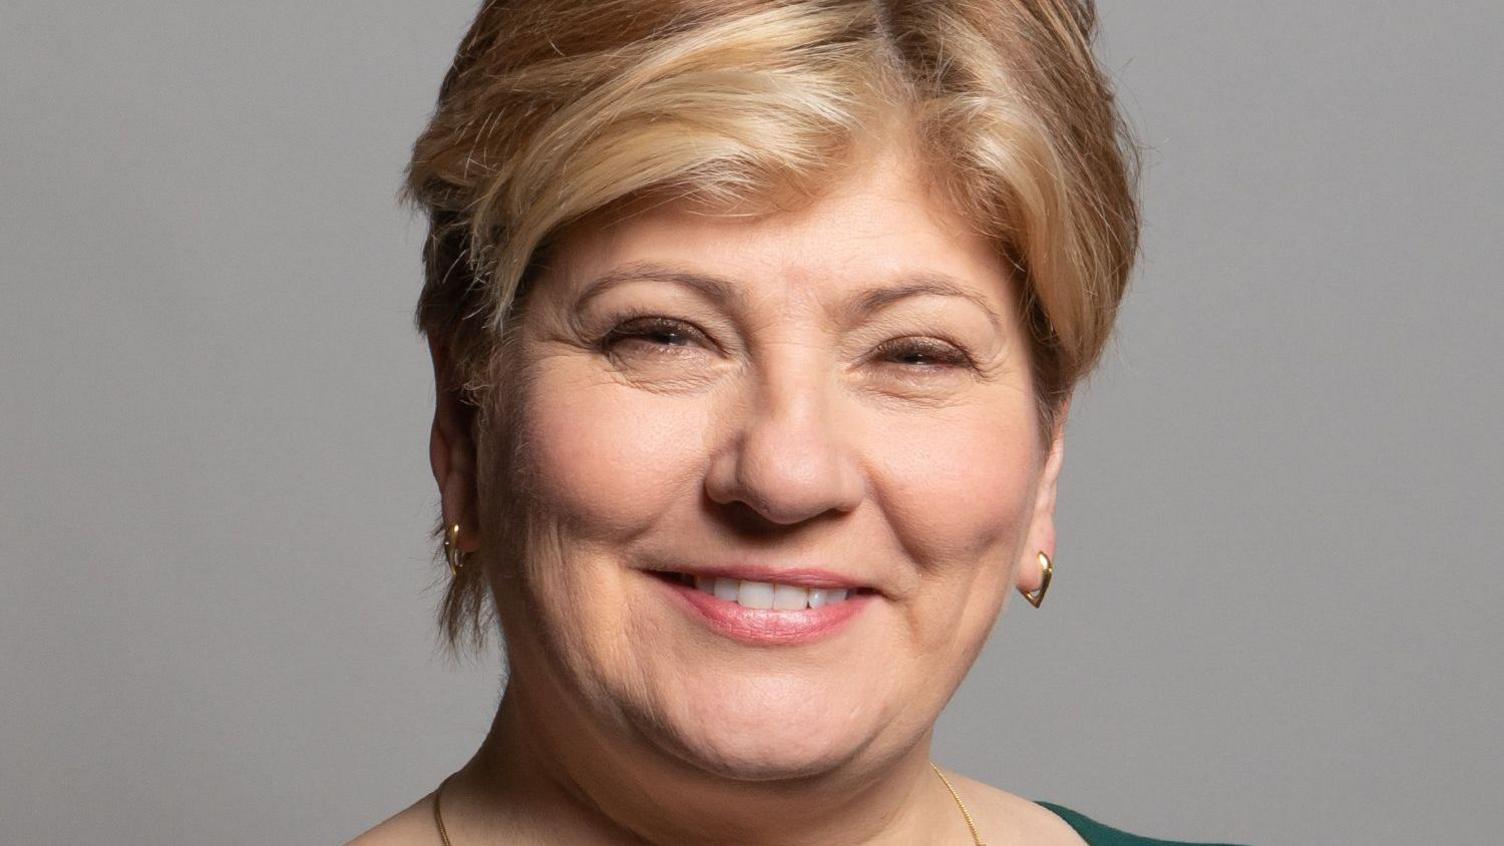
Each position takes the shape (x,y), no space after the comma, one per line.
(740,758)
(767,728)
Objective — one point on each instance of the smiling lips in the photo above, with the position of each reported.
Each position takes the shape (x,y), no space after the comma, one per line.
(801,606)
(764,595)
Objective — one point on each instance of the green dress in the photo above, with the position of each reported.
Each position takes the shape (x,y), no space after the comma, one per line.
(1096,834)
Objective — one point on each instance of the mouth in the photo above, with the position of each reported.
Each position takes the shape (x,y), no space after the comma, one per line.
(766,613)
(764,595)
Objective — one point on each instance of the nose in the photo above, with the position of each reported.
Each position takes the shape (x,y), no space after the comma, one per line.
(787,455)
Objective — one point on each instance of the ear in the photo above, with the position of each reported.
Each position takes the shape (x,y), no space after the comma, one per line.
(451,450)
(1029,576)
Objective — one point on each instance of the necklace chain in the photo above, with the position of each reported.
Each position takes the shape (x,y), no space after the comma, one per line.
(971,825)
(976,839)
(438,815)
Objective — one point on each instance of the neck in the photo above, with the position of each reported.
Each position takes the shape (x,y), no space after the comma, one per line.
(544,774)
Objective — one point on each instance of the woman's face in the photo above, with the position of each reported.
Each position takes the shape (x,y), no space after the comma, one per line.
(725,414)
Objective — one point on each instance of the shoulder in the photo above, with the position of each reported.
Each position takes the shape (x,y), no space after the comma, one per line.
(1005,818)
(412,826)
(1097,834)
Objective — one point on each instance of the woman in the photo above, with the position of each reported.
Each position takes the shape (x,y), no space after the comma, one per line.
(755,326)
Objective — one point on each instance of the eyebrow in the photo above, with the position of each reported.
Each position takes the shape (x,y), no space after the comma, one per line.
(723,291)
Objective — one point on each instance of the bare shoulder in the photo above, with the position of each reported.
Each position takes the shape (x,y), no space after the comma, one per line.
(1006,818)
(412,826)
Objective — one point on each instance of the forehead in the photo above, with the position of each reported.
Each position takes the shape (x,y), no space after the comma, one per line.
(881,224)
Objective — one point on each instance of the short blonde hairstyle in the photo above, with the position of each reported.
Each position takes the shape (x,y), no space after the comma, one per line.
(557,109)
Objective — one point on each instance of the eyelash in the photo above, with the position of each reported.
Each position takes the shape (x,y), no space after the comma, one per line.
(943,352)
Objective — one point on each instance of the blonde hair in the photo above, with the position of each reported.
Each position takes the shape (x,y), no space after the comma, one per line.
(556,109)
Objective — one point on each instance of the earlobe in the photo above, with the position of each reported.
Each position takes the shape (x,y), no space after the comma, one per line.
(451,452)
(1046,570)
(1036,565)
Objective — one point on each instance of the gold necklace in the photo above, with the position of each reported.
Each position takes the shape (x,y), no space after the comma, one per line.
(976,839)
(438,814)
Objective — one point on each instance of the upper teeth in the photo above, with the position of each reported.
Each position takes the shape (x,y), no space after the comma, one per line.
(769,594)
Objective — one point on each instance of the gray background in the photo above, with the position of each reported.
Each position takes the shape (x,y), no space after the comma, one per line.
(1276,611)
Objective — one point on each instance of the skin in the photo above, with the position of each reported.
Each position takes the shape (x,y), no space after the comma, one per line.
(898,446)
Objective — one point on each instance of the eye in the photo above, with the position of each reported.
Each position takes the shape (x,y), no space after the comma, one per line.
(661,335)
(925,353)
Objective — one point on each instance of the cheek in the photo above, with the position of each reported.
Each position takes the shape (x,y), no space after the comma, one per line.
(960,490)
(959,500)
(607,458)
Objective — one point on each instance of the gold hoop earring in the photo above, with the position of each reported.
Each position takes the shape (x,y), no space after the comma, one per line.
(1048,568)
(452,552)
